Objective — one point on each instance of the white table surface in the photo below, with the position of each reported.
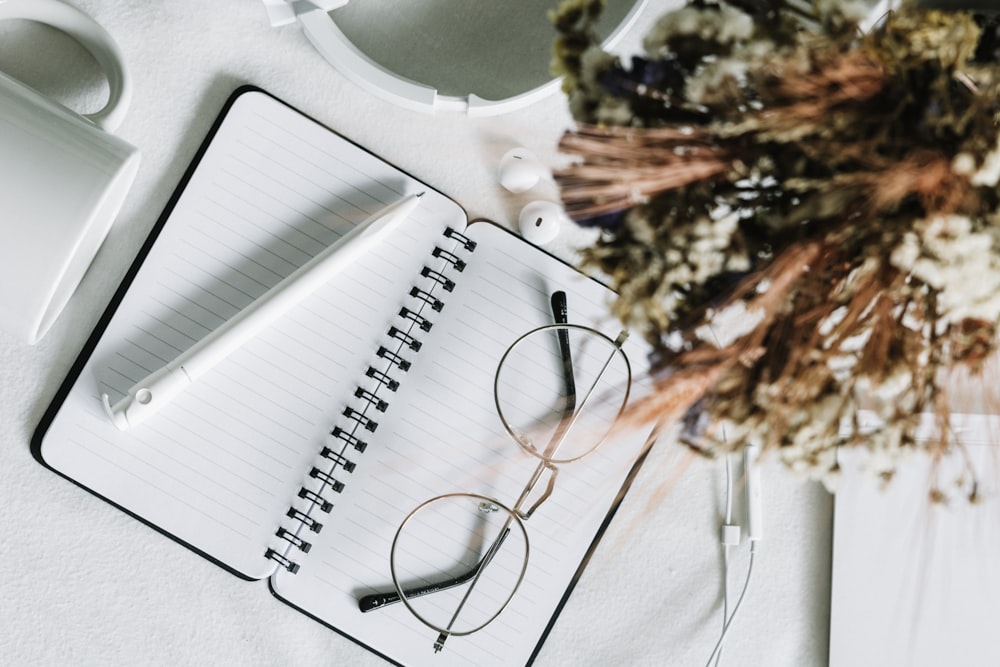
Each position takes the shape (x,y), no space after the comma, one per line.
(81,583)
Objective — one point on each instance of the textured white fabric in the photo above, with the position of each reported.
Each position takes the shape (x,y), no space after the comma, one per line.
(84,584)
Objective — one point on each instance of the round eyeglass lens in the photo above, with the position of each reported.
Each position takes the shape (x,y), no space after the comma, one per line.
(559,390)
(457,561)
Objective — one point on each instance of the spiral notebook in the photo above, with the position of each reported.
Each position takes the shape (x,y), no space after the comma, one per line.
(295,459)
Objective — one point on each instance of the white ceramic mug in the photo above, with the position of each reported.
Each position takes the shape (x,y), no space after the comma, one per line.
(63,178)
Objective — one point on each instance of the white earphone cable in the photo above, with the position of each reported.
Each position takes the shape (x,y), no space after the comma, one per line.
(731,537)
(725,629)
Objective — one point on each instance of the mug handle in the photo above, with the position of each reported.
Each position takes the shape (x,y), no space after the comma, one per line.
(92,37)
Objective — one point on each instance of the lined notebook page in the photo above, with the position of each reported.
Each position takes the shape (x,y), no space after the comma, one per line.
(219,467)
(440,434)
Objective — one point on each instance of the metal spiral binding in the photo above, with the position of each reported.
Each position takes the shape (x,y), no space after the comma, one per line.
(327,479)
(407,339)
(393,358)
(294,540)
(435,304)
(466,242)
(286,563)
(322,503)
(456,262)
(338,458)
(360,418)
(349,438)
(303,518)
(415,317)
(382,378)
(363,420)
(372,399)
(446,283)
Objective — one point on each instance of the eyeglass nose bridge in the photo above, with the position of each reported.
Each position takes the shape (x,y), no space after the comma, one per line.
(553,473)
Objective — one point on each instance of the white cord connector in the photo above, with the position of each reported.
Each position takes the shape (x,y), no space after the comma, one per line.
(730,535)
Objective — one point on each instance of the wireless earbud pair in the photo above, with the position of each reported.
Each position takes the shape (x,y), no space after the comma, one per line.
(520,170)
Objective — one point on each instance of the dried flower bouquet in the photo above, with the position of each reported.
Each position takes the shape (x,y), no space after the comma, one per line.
(801,216)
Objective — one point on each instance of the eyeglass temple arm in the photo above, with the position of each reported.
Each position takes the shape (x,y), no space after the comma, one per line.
(569,417)
(560,314)
(378,600)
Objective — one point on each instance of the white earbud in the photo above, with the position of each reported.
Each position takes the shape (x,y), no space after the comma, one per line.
(540,221)
(520,170)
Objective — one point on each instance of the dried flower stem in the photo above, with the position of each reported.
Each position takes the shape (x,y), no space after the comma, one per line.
(625,167)
(697,370)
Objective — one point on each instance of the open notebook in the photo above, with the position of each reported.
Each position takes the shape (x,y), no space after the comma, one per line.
(374,394)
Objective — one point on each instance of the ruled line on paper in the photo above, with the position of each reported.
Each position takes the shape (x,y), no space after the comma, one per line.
(281,363)
(262,443)
(176,483)
(249,206)
(230,462)
(199,510)
(214,474)
(184,260)
(175,314)
(270,243)
(356,210)
(170,325)
(283,210)
(148,350)
(276,384)
(321,148)
(224,458)
(302,177)
(191,299)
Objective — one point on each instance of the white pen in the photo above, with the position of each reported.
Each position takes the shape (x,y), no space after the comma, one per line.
(161,386)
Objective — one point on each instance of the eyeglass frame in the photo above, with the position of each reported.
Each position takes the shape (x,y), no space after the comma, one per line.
(515,515)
